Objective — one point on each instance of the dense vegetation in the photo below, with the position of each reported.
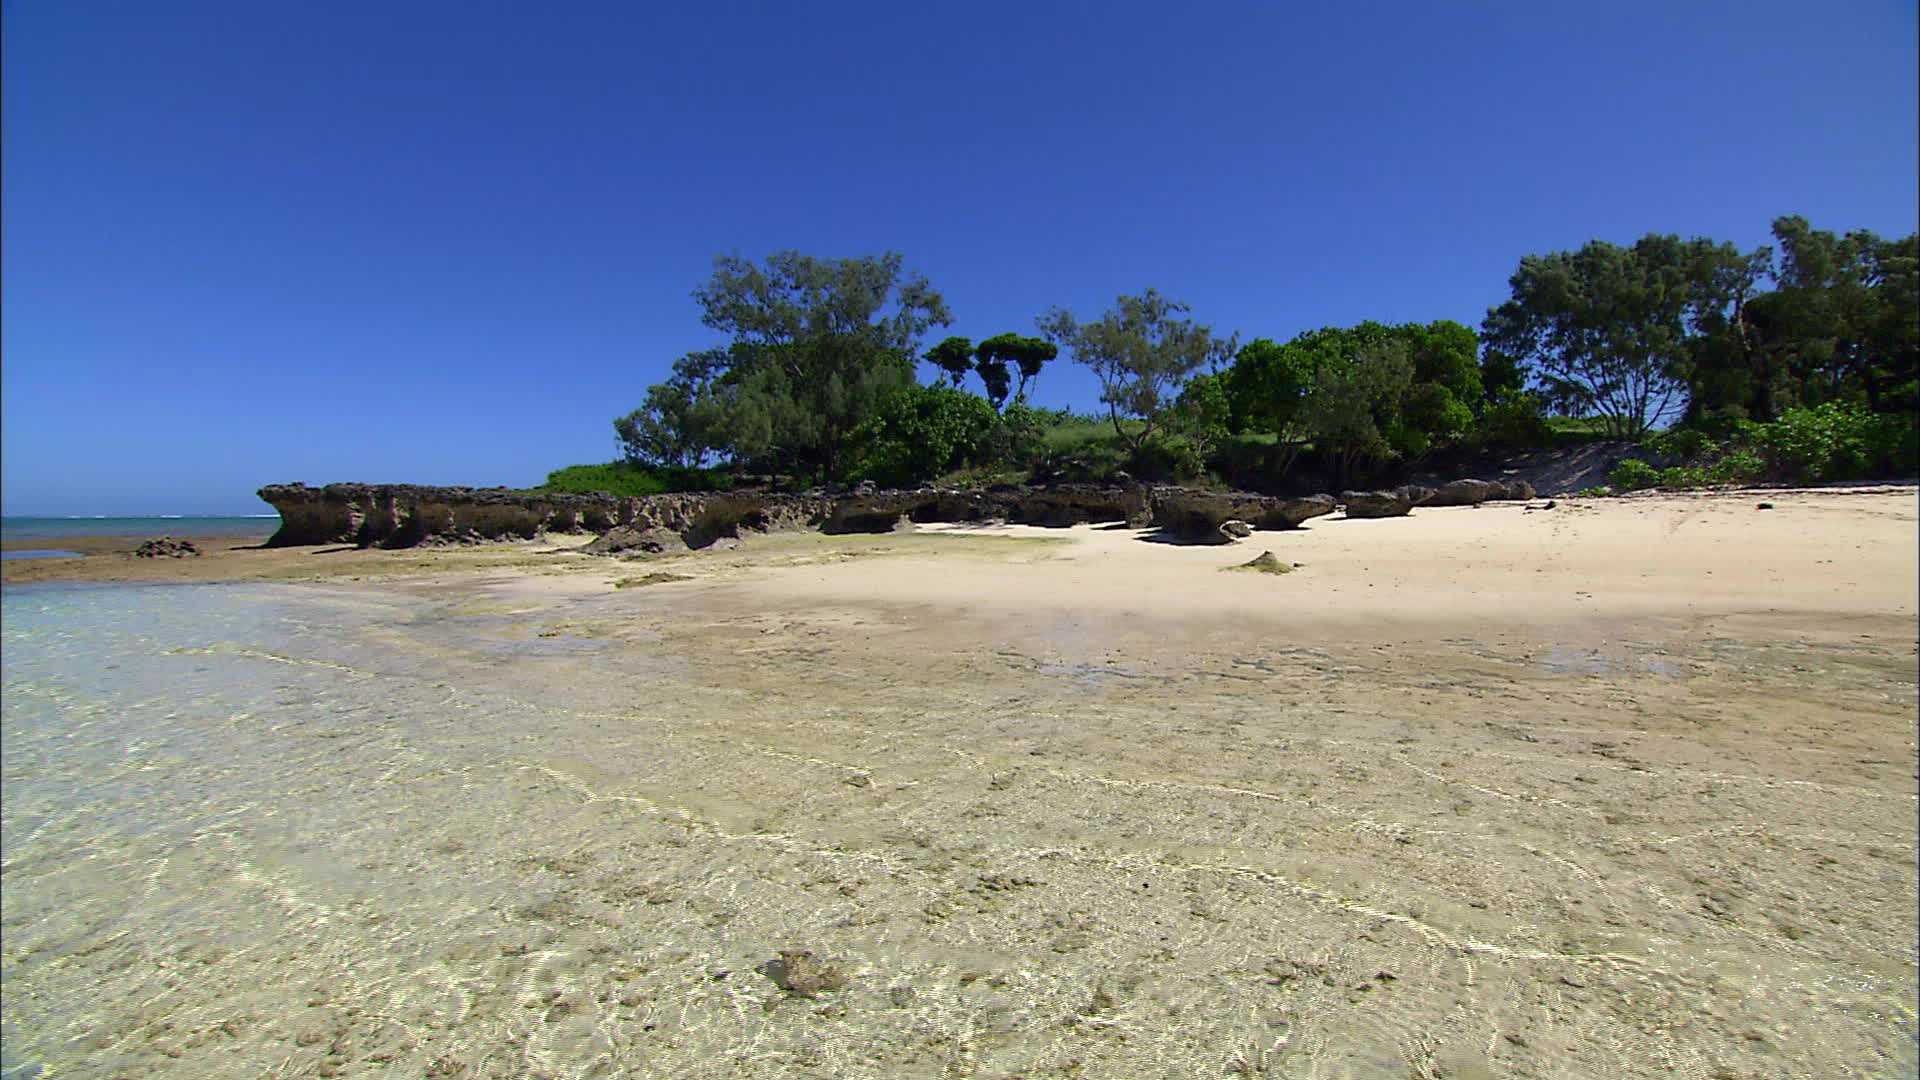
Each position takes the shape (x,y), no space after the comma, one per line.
(1799,361)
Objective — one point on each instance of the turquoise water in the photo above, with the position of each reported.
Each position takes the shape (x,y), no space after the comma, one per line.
(56,528)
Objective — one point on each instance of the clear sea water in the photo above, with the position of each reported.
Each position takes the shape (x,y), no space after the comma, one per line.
(218,799)
(57,528)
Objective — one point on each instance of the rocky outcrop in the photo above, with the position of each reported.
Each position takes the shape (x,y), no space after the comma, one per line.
(1377,504)
(403,515)
(166,547)
(1193,515)
(1515,491)
(623,538)
(1460,493)
(1474,492)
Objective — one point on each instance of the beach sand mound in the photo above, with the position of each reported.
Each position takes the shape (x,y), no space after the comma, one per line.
(1264,563)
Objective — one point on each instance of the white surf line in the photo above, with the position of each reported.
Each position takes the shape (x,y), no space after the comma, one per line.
(786,841)
(1176,785)
(842,766)
(1432,935)
(262,654)
(1498,794)
(1672,771)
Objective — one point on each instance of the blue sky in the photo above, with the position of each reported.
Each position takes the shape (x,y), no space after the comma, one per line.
(248,243)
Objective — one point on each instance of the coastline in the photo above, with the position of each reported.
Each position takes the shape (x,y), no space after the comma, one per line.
(1834,550)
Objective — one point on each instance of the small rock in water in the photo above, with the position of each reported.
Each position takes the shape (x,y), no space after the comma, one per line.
(1765,506)
(801,974)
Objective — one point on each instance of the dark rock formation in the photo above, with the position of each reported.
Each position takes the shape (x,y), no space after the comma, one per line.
(1194,515)
(1235,530)
(402,515)
(166,547)
(1514,491)
(1377,504)
(627,538)
(1462,493)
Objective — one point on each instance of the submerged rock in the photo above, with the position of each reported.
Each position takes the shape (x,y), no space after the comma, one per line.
(800,973)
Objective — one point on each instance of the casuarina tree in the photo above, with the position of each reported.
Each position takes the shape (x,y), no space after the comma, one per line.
(1141,350)
(818,346)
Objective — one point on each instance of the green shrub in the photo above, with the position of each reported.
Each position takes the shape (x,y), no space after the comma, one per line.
(1834,441)
(1682,477)
(1632,475)
(625,478)
(1684,443)
(1743,465)
(1167,459)
(1515,422)
(922,432)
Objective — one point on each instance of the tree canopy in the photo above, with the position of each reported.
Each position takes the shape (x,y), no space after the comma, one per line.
(1027,355)
(818,345)
(1141,350)
(954,356)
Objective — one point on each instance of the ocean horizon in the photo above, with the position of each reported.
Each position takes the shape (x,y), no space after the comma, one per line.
(54,527)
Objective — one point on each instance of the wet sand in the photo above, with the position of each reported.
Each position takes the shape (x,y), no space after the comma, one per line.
(1623,788)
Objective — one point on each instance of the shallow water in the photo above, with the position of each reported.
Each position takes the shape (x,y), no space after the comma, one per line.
(42,553)
(483,830)
(197,772)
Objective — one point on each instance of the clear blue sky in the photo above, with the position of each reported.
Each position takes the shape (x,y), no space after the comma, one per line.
(447,242)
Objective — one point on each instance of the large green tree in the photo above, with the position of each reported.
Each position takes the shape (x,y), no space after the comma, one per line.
(1353,408)
(1360,392)
(1842,324)
(1617,332)
(818,346)
(1141,350)
(678,424)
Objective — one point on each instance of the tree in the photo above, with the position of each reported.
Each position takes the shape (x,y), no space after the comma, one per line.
(1344,409)
(818,345)
(1843,323)
(1027,354)
(953,356)
(921,432)
(1202,412)
(676,427)
(1312,386)
(1613,331)
(995,377)
(1140,351)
